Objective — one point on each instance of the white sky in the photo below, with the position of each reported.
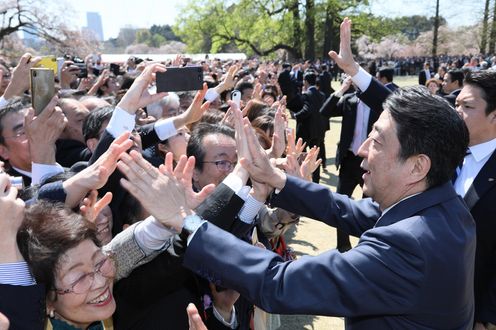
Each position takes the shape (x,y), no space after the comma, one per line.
(144,13)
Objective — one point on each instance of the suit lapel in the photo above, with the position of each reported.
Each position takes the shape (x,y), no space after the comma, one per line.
(482,183)
(415,204)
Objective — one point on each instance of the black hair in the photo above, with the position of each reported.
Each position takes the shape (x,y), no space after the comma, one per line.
(427,124)
(195,144)
(310,76)
(243,86)
(486,81)
(94,121)
(386,73)
(457,75)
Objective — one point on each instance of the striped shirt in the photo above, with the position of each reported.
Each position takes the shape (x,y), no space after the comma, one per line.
(16,273)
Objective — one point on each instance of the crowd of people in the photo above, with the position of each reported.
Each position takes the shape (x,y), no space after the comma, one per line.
(128,208)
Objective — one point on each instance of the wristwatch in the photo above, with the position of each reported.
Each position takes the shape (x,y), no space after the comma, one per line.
(191,224)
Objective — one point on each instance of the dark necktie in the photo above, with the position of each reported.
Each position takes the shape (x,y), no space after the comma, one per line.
(459,167)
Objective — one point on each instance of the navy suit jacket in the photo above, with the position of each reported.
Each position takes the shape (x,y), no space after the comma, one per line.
(412,268)
(481,201)
(310,124)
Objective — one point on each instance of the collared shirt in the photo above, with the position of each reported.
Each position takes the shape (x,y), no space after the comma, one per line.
(472,164)
(361,123)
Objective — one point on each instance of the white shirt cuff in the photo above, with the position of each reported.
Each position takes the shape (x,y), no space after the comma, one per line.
(362,79)
(190,237)
(120,122)
(250,210)
(234,182)
(3,101)
(151,235)
(43,171)
(211,95)
(165,128)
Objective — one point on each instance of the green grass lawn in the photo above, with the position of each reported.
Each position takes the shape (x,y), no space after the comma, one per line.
(401,81)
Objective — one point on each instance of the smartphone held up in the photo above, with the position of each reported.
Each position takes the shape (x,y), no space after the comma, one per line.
(42,88)
(178,79)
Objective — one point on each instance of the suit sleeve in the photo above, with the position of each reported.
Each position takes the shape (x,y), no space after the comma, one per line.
(382,275)
(306,110)
(317,202)
(330,107)
(375,95)
(24,306)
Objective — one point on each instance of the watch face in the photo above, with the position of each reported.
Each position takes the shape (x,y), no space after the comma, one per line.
(192,222)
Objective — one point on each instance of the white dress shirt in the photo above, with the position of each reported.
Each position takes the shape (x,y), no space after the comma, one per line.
(472,164)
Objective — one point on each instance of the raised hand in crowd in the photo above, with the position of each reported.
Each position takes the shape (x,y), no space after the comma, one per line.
(259,166)
(194,318)
(68,74)
(43,131)
(177,61)
(278,141)
(345,58)
(194,111)
(169,197)
(257,91)
(138,96)
(91,206)
(229,81)
(12,209)
(310,163)
(100,81)
(19,83)
(293,148)
(95,175)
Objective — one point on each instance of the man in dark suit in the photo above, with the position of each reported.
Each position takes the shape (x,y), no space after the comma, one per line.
(475,180)
(355,126)
(385,76)
(324,81)
(425,74)
(289,88)
(476,183)
(310,124)
(394,278)
(452,85)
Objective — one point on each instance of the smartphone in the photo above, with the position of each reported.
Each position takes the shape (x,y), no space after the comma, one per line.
(42,88)
(178,79)
(236,97)
(60,63)
(48,62)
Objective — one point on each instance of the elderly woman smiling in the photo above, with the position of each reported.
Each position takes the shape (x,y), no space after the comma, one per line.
(64,253)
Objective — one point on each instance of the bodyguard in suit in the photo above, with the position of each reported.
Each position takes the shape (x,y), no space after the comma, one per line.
(385,76)
(310,124)
(476,183)
(356,124)
(425,74)
(452,85)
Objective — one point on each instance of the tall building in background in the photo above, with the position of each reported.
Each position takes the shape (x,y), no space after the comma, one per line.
(94,21)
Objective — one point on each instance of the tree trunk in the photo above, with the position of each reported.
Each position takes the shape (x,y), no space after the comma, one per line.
(310,30)
(297,33)
(436,30)
(485,23)
(492,37)
(328,28)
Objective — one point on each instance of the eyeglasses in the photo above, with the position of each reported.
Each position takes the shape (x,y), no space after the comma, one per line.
(223,165)
(20,132)
(105,268)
